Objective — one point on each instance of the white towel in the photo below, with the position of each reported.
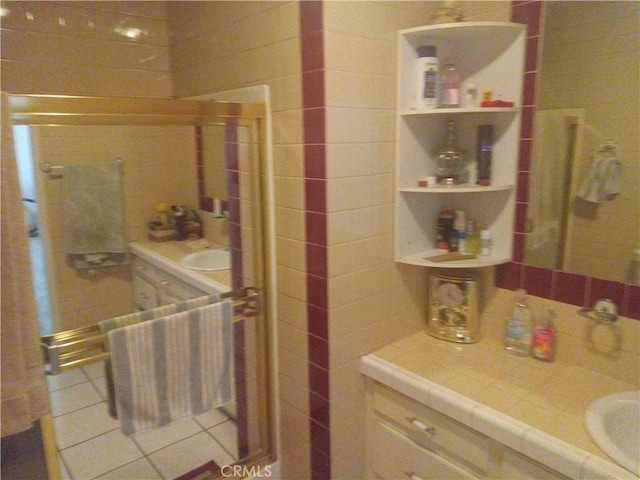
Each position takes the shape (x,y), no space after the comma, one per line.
(172,367)
(131,319)
(604,180)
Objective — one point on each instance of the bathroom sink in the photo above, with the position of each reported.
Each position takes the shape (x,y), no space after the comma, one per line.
(208,260)
(614,424)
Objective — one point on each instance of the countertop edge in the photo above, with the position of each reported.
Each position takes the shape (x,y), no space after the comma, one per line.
(563,457)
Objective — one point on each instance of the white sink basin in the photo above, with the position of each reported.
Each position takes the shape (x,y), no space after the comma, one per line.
(614,424)
(208,260)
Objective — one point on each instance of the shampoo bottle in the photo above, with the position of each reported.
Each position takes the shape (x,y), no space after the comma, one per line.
(517,332)
(427,66)
(544,337)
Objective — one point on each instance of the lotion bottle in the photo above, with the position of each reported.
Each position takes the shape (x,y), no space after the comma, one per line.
(544,337)
(517,332)
(427,66)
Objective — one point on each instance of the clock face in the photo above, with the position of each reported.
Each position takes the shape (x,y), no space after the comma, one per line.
(450,294)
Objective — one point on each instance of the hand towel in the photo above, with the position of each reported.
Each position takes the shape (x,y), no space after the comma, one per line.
(604,180)
(93,215)
(131,319)
(172,367)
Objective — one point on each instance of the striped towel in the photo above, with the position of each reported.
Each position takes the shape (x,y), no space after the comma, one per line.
(137,317)
(172,367)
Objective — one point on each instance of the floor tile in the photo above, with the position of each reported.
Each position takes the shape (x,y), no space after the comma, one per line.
(188,454)
(226,434)
(100,455)
(82,425)
(65,379)
(73,398)
(138,470)
(211,418)
(100,385)
(93,371)
(154,440)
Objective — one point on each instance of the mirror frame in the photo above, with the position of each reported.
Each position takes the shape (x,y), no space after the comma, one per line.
(555,285)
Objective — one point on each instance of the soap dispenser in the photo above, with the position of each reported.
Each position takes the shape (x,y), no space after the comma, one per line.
(517,332)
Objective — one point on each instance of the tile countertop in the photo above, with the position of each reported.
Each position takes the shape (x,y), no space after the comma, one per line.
(534,407)
(167,255)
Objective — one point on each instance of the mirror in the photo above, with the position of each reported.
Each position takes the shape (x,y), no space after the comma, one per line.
(583,214)
(212,151)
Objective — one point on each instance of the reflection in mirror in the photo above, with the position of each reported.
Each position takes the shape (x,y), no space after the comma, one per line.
(212,164)
(586,140)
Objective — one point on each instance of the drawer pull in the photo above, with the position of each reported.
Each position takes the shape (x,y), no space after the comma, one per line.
(420,426)
(412,475)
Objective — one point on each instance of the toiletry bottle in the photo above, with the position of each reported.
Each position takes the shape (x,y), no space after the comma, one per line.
(517,332)
(485,243)
(460,231)
(427,66)
(444,229)
(449,85)
(544,337)
(472,241)
(162,215)
(179,221)
(483,155)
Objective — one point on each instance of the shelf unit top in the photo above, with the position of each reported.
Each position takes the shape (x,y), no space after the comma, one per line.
(457,189)
(464,30)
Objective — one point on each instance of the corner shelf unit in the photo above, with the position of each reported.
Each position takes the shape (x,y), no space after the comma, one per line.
(491,56)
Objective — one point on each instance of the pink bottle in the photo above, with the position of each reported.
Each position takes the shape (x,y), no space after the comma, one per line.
(544,338)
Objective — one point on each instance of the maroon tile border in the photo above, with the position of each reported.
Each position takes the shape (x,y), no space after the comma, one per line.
(564,287)
(314,131)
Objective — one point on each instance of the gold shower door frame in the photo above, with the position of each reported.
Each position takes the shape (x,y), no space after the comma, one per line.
(49,110)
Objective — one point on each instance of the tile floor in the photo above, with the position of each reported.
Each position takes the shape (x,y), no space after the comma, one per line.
(91,445)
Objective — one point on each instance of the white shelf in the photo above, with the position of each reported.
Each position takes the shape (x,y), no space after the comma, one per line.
(450,111)
(478,262)
(489,55)
(457,189)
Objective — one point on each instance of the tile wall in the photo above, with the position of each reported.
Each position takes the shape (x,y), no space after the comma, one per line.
(166,155)
(112,49)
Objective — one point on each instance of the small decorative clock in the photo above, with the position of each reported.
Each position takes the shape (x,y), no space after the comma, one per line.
(453,308)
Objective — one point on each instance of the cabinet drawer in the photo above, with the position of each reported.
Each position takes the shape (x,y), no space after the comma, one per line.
(515,465)
(173,290)
(395,457)
(148,271)
(432,430)
(145,293)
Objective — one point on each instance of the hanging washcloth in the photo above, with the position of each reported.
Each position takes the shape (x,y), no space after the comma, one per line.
(604,179)
(172,367)
(93,215)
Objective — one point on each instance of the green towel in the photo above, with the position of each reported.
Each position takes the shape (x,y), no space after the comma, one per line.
(93,215)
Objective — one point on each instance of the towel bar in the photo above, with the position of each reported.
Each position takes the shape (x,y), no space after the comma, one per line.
(84,346)
(57,171)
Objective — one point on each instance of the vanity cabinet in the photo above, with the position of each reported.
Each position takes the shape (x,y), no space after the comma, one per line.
(154,286)
(490,57)
(406,439)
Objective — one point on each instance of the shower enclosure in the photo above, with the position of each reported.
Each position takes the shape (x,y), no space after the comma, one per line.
(250,232)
